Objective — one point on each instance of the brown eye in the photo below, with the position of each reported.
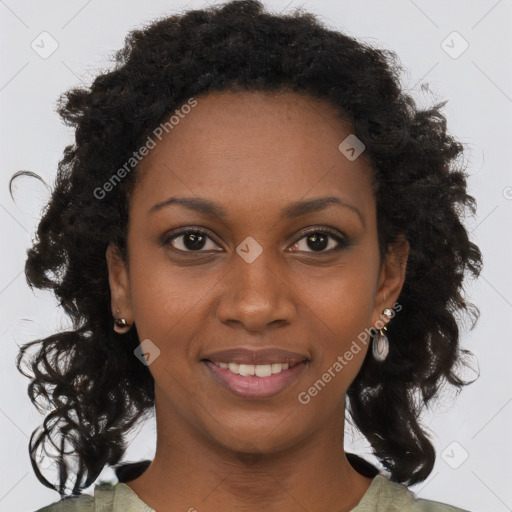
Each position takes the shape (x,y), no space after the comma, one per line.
(188,241)
(318,241)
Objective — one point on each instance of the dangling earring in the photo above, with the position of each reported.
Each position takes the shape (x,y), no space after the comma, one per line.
(380,345)
(121,326)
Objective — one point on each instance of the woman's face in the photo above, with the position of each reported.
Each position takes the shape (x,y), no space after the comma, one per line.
(266,273)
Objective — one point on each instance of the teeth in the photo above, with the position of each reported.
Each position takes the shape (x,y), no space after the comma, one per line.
(276,367)
(233,367)
(260,370)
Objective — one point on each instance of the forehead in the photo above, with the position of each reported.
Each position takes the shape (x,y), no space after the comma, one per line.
(253,146)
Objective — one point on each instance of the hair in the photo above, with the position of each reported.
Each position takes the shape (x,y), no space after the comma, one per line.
(96,389)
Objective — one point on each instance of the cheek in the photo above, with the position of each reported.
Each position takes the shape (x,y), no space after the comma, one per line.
(161,290)
(342,295)
(341,306)
(170,304)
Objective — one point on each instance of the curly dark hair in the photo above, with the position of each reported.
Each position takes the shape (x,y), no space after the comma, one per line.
(89,376)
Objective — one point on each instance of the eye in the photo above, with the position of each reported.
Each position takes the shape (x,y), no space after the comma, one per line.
(193,240)
(318,240)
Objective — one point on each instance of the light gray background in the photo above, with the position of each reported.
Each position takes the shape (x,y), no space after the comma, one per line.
(478,85)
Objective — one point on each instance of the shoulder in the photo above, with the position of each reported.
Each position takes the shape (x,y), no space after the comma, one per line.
(396,497)
(102,500)
(83,503)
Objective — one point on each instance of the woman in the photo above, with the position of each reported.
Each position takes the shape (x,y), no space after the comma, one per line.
(255,230)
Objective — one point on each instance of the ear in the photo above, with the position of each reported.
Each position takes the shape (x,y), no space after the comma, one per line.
(391,280)
(119,284)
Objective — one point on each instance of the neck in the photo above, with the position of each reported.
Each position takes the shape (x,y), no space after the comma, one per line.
(190,471)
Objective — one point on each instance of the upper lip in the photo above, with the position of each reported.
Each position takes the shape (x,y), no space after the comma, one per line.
(255,356)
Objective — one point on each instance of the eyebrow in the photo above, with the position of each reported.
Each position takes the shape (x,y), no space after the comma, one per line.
(292,210)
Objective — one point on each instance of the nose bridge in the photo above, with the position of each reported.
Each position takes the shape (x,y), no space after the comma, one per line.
(255,267)
(255,293)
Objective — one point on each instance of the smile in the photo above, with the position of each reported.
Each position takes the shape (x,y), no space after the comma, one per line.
(254,381)
(260,370)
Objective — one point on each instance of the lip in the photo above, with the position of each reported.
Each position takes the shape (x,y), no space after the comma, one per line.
(253,387)
(242,355)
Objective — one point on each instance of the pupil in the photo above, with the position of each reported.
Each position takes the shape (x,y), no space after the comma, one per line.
(194,237)
(315,237)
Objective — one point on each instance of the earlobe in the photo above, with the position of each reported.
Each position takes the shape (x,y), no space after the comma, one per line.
(392,276)
(119,290)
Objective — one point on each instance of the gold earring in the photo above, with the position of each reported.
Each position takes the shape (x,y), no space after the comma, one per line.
(121,325)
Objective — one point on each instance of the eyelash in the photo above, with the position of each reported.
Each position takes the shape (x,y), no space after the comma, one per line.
(342,242)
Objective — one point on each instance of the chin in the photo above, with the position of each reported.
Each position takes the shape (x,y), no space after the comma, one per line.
(257,440)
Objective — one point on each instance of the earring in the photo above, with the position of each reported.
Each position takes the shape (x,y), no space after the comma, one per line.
(380,345)
(121,326)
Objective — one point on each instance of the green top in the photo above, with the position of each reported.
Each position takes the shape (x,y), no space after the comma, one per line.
(383,495)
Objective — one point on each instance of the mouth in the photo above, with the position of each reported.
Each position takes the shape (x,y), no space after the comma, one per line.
(255,381)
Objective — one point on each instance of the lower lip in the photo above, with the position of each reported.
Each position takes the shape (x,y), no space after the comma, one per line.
(252,386)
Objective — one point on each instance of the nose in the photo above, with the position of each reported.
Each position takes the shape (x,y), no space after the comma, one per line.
(256,295)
